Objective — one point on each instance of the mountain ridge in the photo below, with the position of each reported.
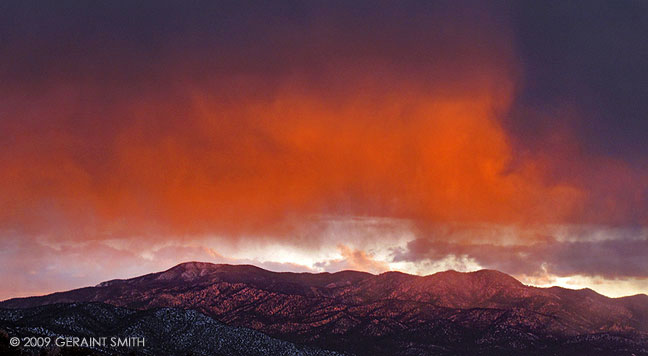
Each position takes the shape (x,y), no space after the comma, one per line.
(227,267)
(368,314)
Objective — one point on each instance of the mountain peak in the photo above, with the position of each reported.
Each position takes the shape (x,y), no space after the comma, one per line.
(194,265)
(497,276)
(187,271)
(480,278)
(190,271)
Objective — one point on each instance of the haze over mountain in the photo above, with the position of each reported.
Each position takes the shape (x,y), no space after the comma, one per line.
(391,313)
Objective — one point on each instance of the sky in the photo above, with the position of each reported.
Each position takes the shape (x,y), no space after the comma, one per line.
(314,136)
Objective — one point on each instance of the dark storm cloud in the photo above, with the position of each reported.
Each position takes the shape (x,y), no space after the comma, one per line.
(138,40)
(622,254)
(585,71)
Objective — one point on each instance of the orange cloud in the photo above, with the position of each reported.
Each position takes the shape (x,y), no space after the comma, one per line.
(361,261)
(208,165)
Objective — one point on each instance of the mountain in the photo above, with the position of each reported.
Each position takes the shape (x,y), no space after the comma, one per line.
(484,312)
(165,331)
